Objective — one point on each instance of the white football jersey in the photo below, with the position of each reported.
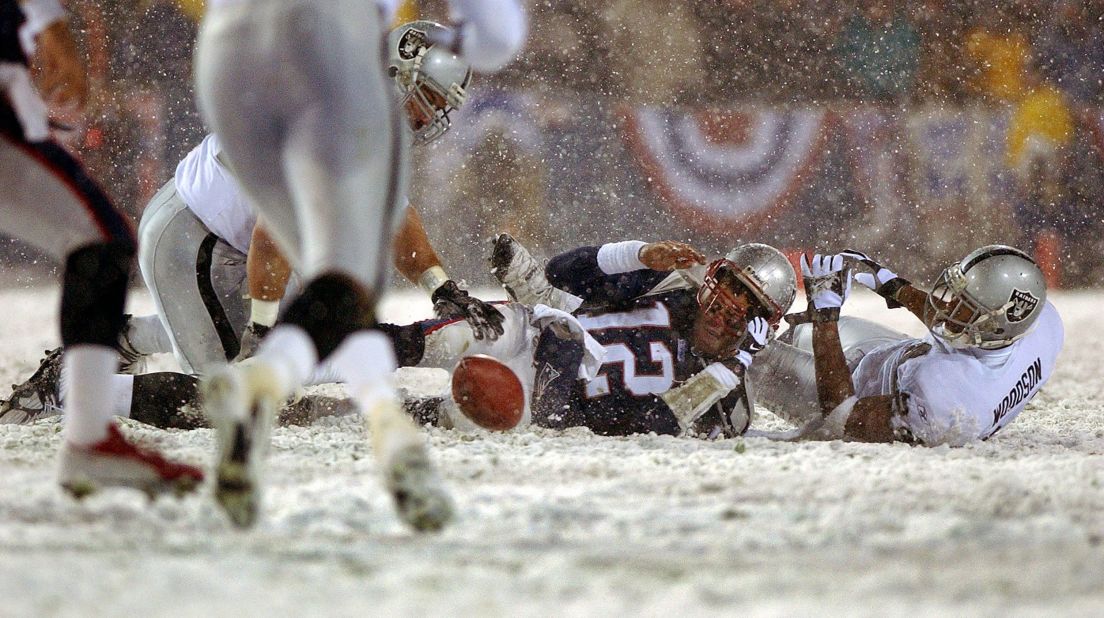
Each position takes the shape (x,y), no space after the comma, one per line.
(212,194)
(954,396)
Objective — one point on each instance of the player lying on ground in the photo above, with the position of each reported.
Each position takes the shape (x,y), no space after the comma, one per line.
(992,344)
(201,251)
(645,351)
(664,349)
(48,200)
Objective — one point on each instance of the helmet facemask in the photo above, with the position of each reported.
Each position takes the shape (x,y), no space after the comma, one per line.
(718,294)
(431,118)
(959,319)
(432,80)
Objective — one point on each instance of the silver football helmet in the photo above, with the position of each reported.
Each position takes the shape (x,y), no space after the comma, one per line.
(763,270)
(432,79)
(989,299)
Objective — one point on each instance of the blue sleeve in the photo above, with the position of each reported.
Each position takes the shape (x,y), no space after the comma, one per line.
(577,272)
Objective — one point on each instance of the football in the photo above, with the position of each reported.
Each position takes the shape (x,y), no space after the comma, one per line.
(488,392)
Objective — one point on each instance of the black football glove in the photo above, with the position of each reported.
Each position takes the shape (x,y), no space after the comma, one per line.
(451,302)
(882,280)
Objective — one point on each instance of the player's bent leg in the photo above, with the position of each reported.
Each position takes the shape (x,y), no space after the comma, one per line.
(195,279)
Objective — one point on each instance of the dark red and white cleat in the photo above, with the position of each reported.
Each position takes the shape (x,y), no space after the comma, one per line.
(116,462)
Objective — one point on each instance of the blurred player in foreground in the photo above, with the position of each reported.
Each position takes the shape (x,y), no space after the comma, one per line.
(646,349)
(49,201)
(993,342)
(296,91)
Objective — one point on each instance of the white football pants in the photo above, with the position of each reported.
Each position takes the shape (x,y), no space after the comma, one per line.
(310,124)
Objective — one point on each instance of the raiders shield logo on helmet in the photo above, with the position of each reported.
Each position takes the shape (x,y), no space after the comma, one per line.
(411,43)
(1023,303)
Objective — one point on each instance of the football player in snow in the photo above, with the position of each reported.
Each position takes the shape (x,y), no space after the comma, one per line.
(647,347)
(993,342)
(50,201)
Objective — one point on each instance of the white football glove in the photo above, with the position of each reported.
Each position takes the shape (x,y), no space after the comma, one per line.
(758,335)
(827,280)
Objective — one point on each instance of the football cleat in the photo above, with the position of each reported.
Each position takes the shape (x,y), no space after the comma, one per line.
(39,396)
(241,401)
(408,473)
(131,361)
(523,277)
(116,462)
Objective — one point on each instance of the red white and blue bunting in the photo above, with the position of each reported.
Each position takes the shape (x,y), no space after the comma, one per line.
(723,168)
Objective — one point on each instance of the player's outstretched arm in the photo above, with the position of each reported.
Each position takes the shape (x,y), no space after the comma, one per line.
(619,271)
(896,290)
(827,285)
(416,259)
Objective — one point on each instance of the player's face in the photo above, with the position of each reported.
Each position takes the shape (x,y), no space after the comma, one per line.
(419,116)
(722,321)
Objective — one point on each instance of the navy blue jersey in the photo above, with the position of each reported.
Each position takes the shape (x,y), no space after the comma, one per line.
(646,339)
(11,19)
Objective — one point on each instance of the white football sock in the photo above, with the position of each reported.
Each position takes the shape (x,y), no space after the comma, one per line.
(289,351)
(122,389)
(364,358)
(89,392)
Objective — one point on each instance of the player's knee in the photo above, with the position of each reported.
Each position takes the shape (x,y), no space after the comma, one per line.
(94,293)
(332,307)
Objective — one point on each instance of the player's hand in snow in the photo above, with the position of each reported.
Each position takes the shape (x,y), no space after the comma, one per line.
(758,335)
(883,281)
(452,302)
(670,255)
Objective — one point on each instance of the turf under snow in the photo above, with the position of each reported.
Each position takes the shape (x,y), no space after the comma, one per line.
(572,524)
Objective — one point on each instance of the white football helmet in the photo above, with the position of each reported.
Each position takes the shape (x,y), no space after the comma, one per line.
(433,80)
(989,299)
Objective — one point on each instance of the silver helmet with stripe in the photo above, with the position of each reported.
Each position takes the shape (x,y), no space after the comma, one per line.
(433,80)
(989,299)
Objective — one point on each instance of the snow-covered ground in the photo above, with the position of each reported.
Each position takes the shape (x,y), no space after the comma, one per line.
(573,524)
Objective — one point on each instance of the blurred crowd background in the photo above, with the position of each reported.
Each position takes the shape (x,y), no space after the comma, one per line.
(914,130)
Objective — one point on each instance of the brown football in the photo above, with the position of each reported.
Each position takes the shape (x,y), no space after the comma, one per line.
(488,392)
